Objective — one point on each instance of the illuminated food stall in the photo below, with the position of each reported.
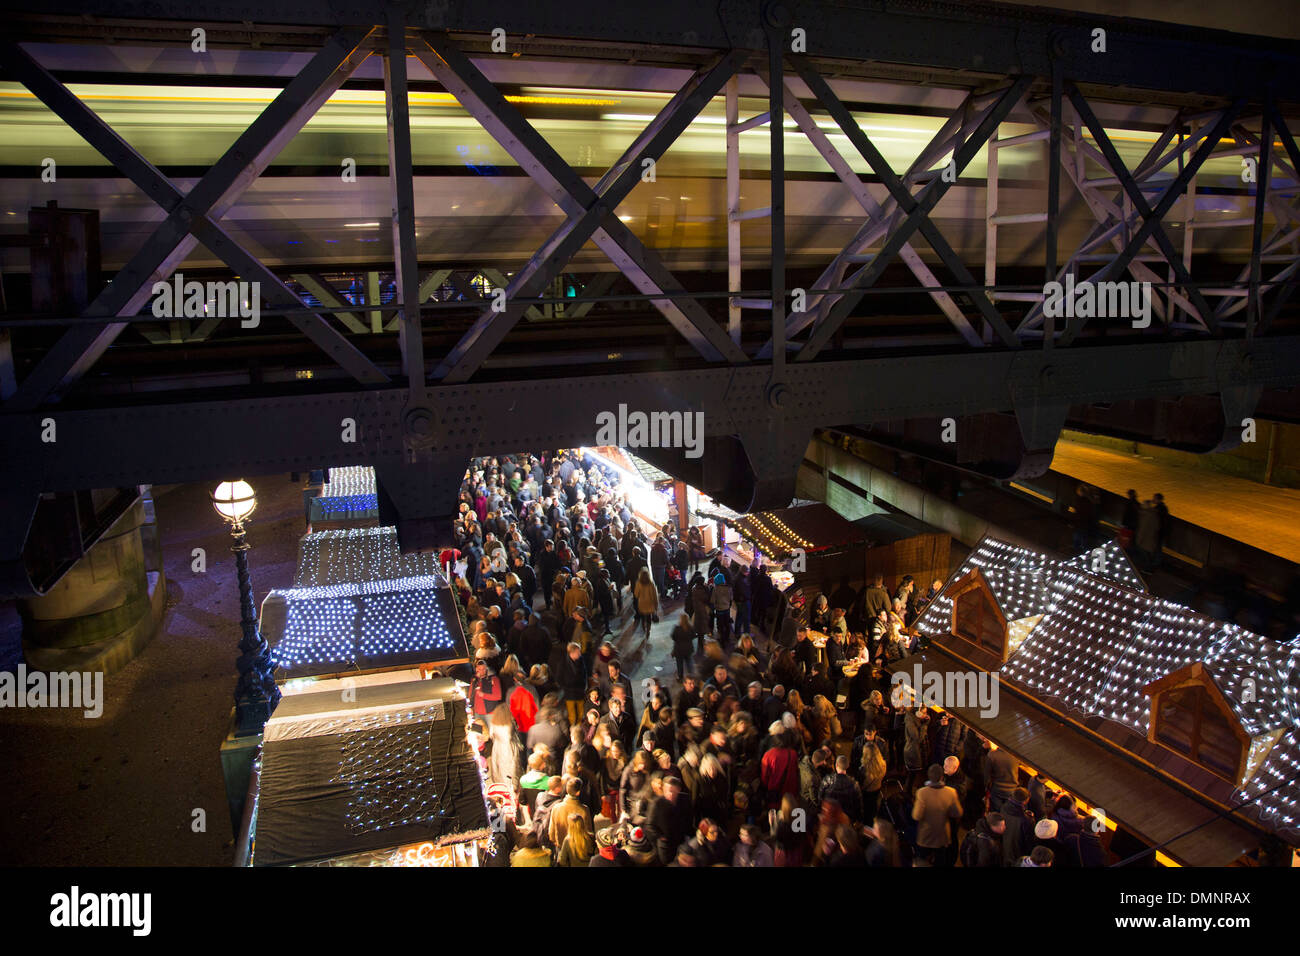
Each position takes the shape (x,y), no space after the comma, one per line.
(345,628)
(376,775)
(360,605)
(347,499)
(1184,728)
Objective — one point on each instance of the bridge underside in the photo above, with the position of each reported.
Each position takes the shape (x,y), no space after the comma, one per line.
(467,243)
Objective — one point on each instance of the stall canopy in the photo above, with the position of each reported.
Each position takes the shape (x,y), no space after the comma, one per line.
(353,555)
(1131,796)
(386,770)
(1083,638)
(814,528)
(348,495)
(335,628)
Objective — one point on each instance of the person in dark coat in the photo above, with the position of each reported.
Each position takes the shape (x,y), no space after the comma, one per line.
(683,639)
(527,580)
(569,670)
(983,844)
(701,611)
(1019,837)
(668,820)
(548,565)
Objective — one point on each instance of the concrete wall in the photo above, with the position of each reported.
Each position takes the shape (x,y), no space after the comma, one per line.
(875,483)
(106,608)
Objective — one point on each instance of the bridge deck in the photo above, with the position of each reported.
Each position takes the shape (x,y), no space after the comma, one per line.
(1263,516)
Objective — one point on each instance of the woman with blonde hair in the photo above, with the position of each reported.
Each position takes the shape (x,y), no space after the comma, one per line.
(823,723)
(506,759)
(796,707)
(511,674)
(577,848)
(647,599)
(615,762)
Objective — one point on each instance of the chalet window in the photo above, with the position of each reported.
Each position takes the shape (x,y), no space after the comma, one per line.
(976,618)
(1190,721)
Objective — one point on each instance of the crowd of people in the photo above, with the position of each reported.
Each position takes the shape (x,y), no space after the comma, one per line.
(768,749)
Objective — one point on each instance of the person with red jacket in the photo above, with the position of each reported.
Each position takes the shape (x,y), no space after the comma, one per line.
(524,706)
(779,769)
(485,692)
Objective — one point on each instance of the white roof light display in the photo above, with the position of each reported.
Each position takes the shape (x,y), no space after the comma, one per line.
(349,493)
(359,554)
(1101,642)
(339,627)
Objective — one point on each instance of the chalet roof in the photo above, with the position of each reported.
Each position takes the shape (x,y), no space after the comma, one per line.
(353,555)
(1099,645)
(1025,581)
(362,626)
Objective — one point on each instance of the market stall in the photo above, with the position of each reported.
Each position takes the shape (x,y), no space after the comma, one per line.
(347,499)
(381,776)
(1154,711)
(352,627)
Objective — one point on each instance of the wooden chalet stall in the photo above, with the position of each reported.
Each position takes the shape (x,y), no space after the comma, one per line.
(1160,715)
(382,776)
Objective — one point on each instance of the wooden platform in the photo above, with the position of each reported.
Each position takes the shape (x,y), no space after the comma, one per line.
(1261,516)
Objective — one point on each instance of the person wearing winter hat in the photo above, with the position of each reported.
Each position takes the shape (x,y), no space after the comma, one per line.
(1047,834)
(608,851)
(640,848)
(721,601)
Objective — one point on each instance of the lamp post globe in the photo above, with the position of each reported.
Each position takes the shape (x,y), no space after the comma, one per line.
(234,501)
(256,693)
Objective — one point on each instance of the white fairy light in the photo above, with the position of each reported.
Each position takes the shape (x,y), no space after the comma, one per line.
(349,490)
(1102,640)
(366,624)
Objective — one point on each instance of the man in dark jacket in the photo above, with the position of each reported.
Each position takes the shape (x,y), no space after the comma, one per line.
(669,819)
(659,564)
(548,565)
(876,599)
(621,725)
(569,671)
(1019,837)
(843,789)
(983,844)
(773,705)
(1001,777)
(687,698)
(534,644)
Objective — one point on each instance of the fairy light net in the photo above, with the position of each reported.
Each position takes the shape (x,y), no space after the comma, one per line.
(376,624)
(341,556)
(1102,640)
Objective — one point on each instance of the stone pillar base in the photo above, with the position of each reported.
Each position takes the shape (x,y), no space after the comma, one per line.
(112,653)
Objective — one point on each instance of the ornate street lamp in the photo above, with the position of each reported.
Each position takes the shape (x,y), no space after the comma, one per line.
(256,693)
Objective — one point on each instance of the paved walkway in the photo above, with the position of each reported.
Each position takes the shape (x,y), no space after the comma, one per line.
(1262,516)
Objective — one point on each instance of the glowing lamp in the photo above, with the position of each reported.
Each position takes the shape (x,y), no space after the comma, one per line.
(234,501)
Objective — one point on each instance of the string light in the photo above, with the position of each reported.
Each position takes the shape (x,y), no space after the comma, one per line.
(348,492)
(386,764)
(367,624)
(359,554)
(1101,640)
